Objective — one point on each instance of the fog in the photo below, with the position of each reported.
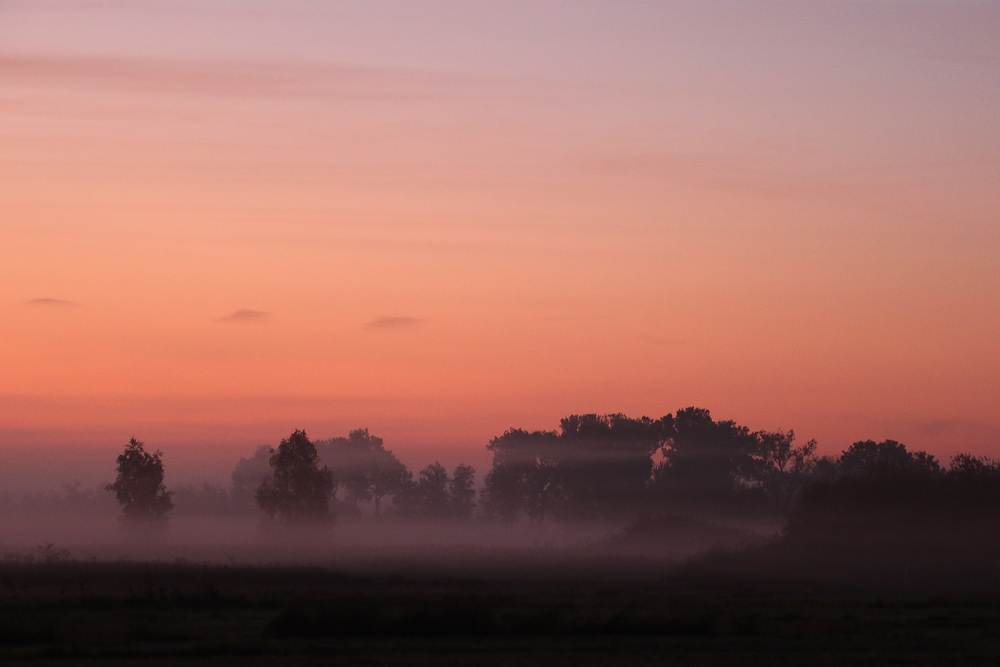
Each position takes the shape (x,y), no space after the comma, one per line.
(371,545)
(603,497)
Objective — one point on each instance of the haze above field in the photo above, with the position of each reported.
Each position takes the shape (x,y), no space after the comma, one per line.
(223,221)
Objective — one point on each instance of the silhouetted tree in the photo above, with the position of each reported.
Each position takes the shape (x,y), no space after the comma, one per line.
(298,488)
(702,459)
(605,462)
(139,487)
(386,477)
(875,487)
(595,466)
(247,477)
(777,467)
(888,456)
(435,495)
(523,477)
(362,465)
(432,489)
(503,494)
(462,491)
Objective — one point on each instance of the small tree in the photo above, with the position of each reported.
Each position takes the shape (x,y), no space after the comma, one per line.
(139,485)
(778,467)
(364,468)
(247,477)
(432,486)
(297,488)
(428,496)
(462,491)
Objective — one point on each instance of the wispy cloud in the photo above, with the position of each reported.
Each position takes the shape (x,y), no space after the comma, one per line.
(245,315)
(395,323)
(245,78)
(50,302)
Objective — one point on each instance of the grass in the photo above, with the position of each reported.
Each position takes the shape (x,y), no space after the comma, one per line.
(65,612)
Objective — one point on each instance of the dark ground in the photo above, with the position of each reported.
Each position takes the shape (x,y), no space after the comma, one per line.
(64,612)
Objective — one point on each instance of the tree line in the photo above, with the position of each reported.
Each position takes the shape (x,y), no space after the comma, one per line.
(593,467)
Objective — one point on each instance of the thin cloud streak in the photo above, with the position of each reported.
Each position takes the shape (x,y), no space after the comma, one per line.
(395,323)
(245,315)
(51,302)
(244,78)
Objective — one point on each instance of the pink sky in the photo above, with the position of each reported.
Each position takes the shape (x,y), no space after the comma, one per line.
(220,221)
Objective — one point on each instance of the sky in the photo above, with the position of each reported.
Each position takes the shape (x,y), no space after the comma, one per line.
(221,221)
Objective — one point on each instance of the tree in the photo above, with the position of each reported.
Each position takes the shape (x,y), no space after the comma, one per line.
(702,459)
(868,457)
(605,462)
(139,485)
(432,490)
(524,475)
(297,488)
(386,477)
(462,491)
(595,466)
(362,465)
(435,495)
(777,467)
(247,477)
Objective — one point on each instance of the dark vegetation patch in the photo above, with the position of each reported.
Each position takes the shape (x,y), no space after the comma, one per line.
(61,613)
(676,535)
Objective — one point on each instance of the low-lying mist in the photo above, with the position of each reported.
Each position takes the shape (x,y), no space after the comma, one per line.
(365,544)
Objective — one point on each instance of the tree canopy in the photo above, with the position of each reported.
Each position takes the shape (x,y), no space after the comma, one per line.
(298,488)
(139,487)
(363,467)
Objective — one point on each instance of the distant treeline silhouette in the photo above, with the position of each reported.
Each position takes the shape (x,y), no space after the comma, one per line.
(594,467)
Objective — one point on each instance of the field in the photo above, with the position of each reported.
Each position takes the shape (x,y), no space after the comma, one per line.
(55,611)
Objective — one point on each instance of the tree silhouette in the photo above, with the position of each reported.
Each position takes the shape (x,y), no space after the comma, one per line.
(297,488)
(435,495)
(462,491)
(777,467)
(248,474)
(138,486)
(605,463)
(432,489)
(362,465)
(870,457)
(702,459)
(882,487)
(523,477)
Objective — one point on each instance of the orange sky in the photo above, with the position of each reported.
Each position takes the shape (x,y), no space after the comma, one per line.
(223,221)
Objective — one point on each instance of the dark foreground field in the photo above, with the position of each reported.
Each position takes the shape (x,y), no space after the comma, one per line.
(64,612)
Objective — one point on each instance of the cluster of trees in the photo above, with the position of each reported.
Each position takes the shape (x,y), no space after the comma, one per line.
(302,479)
(879,488)
(607,467)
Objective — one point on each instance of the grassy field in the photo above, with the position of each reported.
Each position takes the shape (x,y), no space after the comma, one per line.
(64,612)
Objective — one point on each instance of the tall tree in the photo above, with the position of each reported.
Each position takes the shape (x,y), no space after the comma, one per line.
(363,467)
(523,478)
(298,488)
(778,467)
(605,463)
(888,456)
(386,476)
(248,474)
(595,466)
(702,459)
(462,491)
(432,490)
(139,487)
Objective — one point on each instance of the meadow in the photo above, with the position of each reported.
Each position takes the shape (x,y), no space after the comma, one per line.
(514,608)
